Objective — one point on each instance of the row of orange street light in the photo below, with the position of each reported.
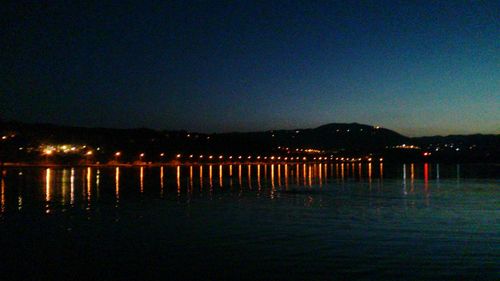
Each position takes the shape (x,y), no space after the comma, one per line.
(117,154)
(240,157)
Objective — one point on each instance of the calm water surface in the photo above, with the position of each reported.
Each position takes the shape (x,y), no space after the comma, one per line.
(265,222)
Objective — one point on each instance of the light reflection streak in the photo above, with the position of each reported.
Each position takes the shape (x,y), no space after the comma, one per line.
(161,182)
(72,187)
(412,177)
(231,170)
(360,171)
(279,175)
(304,175)
(381,171)
(404,180)
(141,179)
(273,188)
(19,202)
(89,183)
(258,177)
(220,176)
(2,200)
(201,178)
(191,178)
(272,176)
(239,174)
(47,190)
(117,185)
(47,185)
(426,176)
(249,172)
(320,175)
(210,183)
(370,173)
(97,181)
(342,171)
(64,185)
(178,176)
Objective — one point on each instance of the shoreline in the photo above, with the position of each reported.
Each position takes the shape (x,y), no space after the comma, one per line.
(163,164)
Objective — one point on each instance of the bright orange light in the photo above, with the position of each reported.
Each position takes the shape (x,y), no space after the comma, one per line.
(162,154)
(118,153)
(141,155)
(220,157)
(381,159)
(178,156)
(89,152)
(47,152)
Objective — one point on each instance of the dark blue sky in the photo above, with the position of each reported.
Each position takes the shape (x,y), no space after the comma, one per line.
(420,68)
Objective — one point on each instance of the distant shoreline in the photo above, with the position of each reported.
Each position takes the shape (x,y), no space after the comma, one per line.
(159,164)
(162,164)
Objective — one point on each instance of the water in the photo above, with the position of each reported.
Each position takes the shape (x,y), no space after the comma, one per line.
(266,222)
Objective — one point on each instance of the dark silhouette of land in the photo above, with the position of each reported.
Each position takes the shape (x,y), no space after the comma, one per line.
(30,143)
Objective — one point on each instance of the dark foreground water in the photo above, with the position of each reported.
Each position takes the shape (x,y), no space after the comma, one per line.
(263,222)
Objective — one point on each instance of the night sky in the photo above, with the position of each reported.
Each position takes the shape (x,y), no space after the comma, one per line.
(420,68)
